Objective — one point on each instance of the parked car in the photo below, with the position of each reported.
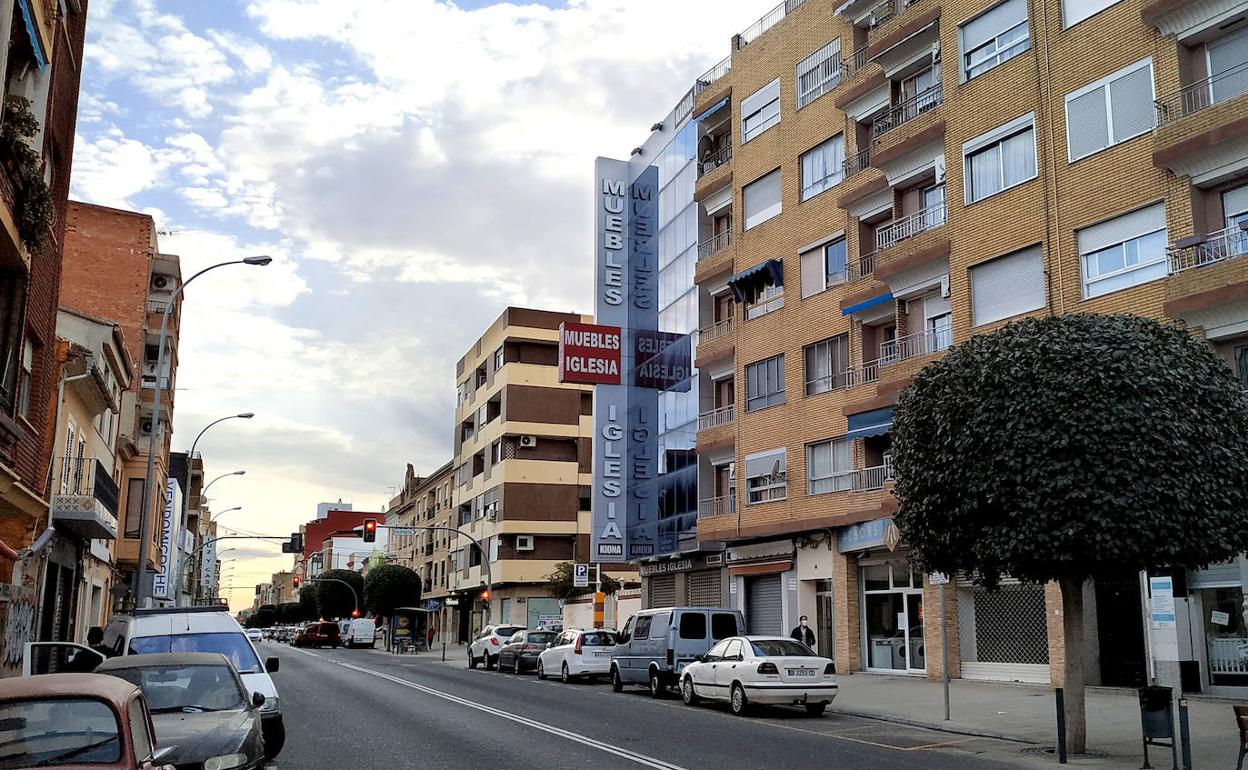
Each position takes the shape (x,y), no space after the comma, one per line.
(484,648)
(255,635)
(655,645)
(318,635)
(522,648)
(77,720)
(761,669)
(361,632)
(577,653)
(199,706)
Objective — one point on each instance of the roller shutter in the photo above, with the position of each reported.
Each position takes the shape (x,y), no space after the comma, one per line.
(764,607)
(705,588)
(663,591)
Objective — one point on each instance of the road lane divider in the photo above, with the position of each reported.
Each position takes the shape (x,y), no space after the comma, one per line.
(584,740)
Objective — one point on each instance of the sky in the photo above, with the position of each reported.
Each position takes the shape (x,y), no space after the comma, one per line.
(413,167)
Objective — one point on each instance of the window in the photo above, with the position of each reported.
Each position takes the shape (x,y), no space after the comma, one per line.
(496,452)
(1124,251)
(1109,111)
(138,731)
(764,383)
(1075,11)
(27,378)
(723,625)
(826,364)
(766,477)
(767,298)
(823,167)
(733,651)
(717,652)
(761,199)
(828,464)
(642,630)
(134,507)
(692,625)
(760,110)
(498,358)
(1000,159)
(1007,286)
(823,266)
(1226,54)
(818,73)
(994,37)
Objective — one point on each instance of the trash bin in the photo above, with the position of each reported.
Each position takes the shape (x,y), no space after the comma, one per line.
(1157,719)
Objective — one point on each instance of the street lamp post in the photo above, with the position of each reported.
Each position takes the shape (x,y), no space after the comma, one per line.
(141,594)
(190,461)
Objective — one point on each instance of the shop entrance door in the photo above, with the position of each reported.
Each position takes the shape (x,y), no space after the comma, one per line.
(1226,637)
(892,625)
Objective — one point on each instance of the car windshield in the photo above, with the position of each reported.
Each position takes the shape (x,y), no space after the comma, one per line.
(541,637)
(768,648)
(36,733)
(598,639)
(185,688)
(233,645)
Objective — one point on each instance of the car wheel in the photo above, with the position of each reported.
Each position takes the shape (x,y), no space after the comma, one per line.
(617,684)
(739,702)
(816,709)
(472,662)
(541,670)
(687,693)
(657,688)
(274,731)
(564,676)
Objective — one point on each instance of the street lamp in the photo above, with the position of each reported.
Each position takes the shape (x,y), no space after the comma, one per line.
(140,575)
(217,516)
(204,492)
(186,499)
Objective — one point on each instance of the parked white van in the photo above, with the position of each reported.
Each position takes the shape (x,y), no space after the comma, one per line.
(360,632)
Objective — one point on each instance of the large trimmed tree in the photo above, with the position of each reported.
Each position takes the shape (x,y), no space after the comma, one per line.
(390,586)
(335,600)
(1057,449)
(559,583)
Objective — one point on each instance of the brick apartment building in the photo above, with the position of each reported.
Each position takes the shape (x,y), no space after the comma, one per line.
(427,501)
(880,180)
(41,51)
(319,536)
(114,269)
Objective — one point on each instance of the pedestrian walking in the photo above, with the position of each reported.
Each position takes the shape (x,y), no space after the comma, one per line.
(803,633)
(433,634)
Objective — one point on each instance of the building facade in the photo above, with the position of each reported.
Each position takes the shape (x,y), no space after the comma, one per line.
(427,501)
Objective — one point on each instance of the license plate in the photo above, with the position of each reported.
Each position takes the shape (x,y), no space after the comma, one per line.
(801,671)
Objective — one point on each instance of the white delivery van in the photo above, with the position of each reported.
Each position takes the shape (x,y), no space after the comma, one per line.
(360,632)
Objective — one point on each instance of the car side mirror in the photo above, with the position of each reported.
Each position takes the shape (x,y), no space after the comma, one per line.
(257,699)
(272,665)
(158,757)
(549,645)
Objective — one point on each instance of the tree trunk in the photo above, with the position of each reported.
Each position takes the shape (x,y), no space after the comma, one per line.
(1072,669)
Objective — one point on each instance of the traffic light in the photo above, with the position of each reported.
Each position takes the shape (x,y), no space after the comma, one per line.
(370,530)
(485,597)
(297,581)
(355,613)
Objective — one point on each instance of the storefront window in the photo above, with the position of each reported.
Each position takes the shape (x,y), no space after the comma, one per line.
(1226,638)
(892,605)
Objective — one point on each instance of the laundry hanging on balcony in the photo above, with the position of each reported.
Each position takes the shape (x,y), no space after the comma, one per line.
(749,281)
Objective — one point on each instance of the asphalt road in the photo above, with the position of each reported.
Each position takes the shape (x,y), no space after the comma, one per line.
(364,709)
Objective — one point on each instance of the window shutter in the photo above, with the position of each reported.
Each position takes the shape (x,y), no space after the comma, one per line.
(761,199)
(1087,124)
(768,93)
(1131,102)
(1075,11)
(1123,228)
(1231,51)
(991,23)
(1235,201)
(813,278)
(763,463)
(1007,286)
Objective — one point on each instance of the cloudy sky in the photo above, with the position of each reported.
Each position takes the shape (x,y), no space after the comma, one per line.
(413,166)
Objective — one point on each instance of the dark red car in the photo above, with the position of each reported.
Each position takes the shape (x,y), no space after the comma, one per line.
(318,635)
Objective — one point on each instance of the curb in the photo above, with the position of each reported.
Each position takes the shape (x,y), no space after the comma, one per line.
(953,727)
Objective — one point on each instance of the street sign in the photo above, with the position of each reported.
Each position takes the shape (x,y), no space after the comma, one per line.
(402,531)
(937,579)
(580,576)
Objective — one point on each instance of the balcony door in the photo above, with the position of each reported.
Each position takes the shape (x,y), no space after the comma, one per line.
(1228,66)
(920,83)
(1235,209)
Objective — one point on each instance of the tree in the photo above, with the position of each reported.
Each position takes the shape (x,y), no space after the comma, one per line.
(289,613)
(390,586)
(559,583)
(263,617)
(1055,449)
(333,599)
(307,601)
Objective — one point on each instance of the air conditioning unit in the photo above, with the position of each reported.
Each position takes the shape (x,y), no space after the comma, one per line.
(524,542)
(146,426)
(528,441)
(160,281)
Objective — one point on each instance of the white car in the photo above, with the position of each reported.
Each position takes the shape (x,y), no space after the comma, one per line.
(760,669)
(576,653)
(484,647)
(360,632)
(255,635)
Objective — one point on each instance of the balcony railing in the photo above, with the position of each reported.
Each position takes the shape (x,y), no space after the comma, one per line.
(1203,94)
(858,480)
(857,164)
(915,345)
(713,74)
(715,160)
(87,477)
(907,227)
(861,375)
(725,505)
(906,111)
(157,306)
(768,21)
(854,62)
(717,417)
(714,244)
(889,9)
(853,270)
(715,331)
(1230,243)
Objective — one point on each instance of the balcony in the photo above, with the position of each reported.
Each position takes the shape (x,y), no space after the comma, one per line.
(86,500)
(715,244)
(888,10)
(715,331)
(908,227)
(864,374)
(710,76)
(725,505)
(716,159)
(1221,246)
(915,345)
(1201,124)
(1202,94)
(854,62)
(716,417)
(771,19)
(857,164)
(860,480)
(904,112)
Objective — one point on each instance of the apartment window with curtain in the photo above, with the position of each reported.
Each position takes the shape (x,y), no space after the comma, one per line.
(764,299)
(766,477)
(828,464)
(1000,159)
(26,379)
(134,507)
(760,111)
(1124,251)
(994,37)
(1110,111)
(827,362)
(761,199)
(1007,286)
(823,166)
(818,73)
(823,266)
(1075,11)
(764,383)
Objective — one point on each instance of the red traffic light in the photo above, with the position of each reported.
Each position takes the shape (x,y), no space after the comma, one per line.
(370,530)
(297,581)
(355,613)
(485,596)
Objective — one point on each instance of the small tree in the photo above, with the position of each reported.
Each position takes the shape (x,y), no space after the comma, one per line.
(333,599)
(263,617)
(559,583)
(390,586)
(1055,449)
(289,613)
(307,601)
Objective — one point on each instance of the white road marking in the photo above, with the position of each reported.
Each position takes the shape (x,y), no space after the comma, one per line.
(632,756)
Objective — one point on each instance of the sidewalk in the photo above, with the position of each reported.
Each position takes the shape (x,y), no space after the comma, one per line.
(1028,713)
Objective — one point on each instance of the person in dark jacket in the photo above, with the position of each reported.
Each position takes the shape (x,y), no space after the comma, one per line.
(803,633)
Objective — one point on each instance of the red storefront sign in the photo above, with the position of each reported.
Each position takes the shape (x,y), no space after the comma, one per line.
(589,353)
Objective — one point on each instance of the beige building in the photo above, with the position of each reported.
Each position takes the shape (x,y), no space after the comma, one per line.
(880,180)
(427,501)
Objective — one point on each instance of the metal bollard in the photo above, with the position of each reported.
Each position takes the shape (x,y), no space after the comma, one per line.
(1061,725)
(1185,734)
(443,652)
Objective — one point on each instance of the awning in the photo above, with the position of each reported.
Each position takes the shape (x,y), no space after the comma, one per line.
(770,271)
(29,18)
(877,422)
(702,115)
(867,305)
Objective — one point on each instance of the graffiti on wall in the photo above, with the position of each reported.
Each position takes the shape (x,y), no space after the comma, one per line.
(17,615)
